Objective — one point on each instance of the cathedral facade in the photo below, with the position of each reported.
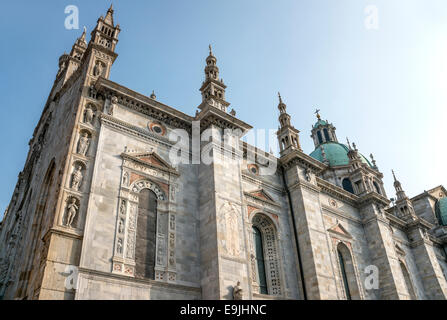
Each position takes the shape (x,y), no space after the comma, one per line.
(103,210)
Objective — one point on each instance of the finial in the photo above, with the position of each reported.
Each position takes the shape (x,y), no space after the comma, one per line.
(153,96)
(211,50)
(280,98)
(111,7)
(317,112)
(355,147)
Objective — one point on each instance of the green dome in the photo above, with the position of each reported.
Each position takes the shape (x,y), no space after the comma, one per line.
(320,123)
(441,211)
(336,153)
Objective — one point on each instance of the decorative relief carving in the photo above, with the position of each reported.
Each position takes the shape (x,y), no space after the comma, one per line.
(271,255)
(161,250)
(130,248)
(148,185)
(229,218)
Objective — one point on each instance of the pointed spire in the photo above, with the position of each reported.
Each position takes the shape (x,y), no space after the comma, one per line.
(84,35)
(281,106)
(109,16)
(211,50)
(394,176)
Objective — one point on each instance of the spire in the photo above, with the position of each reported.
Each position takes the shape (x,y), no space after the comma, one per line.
(82,38)
(281,106)
(397,185)
(109,16)
(213,88)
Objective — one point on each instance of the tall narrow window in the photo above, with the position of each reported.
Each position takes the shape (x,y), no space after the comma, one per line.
(146,235)
(347,271)
(260,263)
(347,185)
(326,135)
(344,275)
(320,138)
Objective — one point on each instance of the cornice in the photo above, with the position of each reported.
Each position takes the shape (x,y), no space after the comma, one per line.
(299,157)
(136,131)
(337,192)
(145,105)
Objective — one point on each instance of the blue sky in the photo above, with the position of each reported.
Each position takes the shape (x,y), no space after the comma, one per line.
(386,89)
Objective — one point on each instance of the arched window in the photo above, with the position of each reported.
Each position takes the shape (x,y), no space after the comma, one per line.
(320,138)
(326,134)
(347,185)
(347,272)
(146,235)
(408,283)
(265,264)
(260,263)
(376,186)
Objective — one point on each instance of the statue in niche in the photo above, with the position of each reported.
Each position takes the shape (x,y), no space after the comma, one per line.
(98,69)
(125,179)
(121,226)
(123,207)
(112,105)
(84,143)
(119,246)
(76,178)
(237,291)
(88,115)
(72,210)
(308,174)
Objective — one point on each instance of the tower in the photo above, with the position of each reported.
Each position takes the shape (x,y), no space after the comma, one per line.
(213,88)
(288,136)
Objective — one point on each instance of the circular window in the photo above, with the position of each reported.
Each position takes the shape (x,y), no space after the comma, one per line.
(157,128)
(253,169)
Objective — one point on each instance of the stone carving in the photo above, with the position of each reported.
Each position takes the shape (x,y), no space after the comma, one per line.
(172,222)
(112,105)
(123,207)
(121,226)
(98,70)
(119,246)
(237,291)
(84,142)
(269,236)
(125,179)
(148,185)
(132,221)
(230,215)
(88,115)
(76,178)
(72,211)
(130,248)
(308,174)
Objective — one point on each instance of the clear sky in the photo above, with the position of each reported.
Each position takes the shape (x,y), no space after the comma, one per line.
(385,88)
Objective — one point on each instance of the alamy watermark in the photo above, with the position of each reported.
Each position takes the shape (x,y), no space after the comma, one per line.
(372,17)
(72,18)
